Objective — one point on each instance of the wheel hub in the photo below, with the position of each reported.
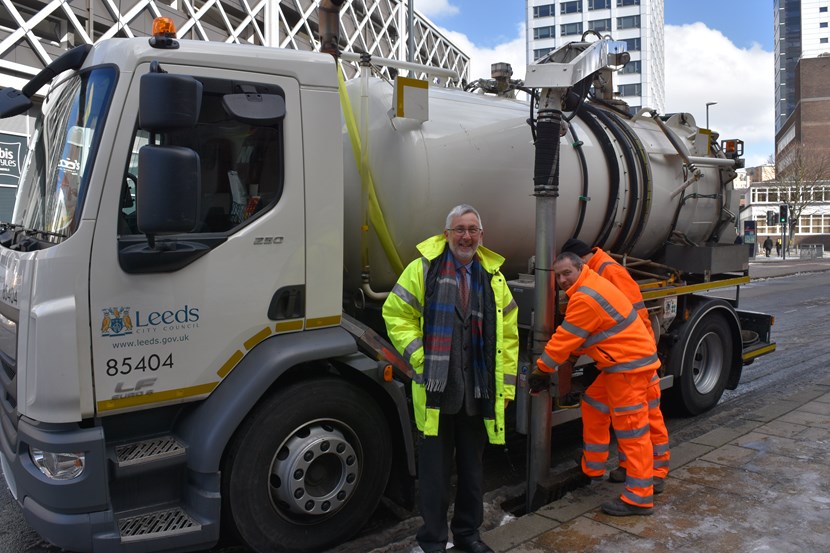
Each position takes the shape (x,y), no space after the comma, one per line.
(315,471)
(707,363)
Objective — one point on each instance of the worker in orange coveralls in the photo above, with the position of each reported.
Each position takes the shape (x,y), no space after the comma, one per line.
(603,324)
(608,268)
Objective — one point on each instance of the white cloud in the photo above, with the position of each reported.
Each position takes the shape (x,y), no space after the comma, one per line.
(435,8)
(512,52)
(702,65)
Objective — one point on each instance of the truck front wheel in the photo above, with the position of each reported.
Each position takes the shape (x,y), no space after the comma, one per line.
(706,357)
(307,468)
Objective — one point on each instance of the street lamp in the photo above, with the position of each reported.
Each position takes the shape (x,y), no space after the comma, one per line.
(707,112)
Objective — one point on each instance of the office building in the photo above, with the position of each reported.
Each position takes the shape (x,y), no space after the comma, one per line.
(801,31)
(639,23)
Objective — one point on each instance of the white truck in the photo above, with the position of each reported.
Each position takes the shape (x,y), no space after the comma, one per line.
(189,286)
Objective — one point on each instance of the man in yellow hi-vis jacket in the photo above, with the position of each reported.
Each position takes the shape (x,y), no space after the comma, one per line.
(452,316)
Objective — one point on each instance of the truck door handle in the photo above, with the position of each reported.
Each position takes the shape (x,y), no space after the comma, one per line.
(287,303)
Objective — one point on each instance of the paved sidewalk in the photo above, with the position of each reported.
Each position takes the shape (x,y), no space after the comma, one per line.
(773,266)
(759,484)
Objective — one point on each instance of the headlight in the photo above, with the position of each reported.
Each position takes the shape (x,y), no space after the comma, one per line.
(58,466)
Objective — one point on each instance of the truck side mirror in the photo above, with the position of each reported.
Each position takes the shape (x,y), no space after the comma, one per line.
(168,196)
(168,102)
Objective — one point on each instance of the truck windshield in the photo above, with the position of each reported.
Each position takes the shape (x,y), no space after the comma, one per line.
(56,174)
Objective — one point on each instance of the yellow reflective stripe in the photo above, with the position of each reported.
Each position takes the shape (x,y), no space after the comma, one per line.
(156,397)
(317,322)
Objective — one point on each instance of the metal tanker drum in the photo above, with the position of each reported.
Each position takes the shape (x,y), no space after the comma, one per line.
(479,149)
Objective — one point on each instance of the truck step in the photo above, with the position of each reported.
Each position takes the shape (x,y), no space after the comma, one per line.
(158,524)
(163,448)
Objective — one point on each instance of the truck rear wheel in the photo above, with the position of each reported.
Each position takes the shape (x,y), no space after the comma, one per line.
(307,468)
(705,356)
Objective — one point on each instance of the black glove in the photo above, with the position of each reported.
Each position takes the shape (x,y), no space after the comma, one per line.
(538,381)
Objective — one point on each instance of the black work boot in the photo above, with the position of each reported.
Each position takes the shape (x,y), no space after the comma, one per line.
(619,508)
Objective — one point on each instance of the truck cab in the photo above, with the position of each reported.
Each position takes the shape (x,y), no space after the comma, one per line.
(176,251)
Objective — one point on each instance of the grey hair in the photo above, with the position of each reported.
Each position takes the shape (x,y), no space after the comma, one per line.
(572,257)
(460,210)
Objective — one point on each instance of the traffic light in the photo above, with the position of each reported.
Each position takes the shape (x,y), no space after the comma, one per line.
(772,218)
(782,213)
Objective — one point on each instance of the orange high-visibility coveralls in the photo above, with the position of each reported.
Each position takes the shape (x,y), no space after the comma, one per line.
(608,268)
(603,324)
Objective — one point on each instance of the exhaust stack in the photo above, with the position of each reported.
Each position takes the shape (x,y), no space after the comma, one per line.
(329,26)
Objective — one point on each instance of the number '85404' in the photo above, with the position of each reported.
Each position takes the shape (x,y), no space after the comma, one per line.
(126,365)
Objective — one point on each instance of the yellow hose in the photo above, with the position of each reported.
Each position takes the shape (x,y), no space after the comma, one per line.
(375,212)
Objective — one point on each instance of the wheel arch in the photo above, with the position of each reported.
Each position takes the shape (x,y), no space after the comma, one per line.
(699,308)
(209,426)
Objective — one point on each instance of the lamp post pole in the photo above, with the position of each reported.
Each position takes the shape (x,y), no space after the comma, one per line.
(707,112)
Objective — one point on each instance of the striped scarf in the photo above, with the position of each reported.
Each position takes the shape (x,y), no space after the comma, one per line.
(439,319)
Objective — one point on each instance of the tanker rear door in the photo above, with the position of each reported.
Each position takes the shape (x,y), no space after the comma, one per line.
(168,326)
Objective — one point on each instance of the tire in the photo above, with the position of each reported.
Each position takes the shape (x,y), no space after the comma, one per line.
(706,357)
(307,468)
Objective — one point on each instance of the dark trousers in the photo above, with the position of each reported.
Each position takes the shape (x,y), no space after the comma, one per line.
(466,437)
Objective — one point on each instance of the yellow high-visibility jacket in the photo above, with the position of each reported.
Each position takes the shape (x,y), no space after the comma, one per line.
(403,313)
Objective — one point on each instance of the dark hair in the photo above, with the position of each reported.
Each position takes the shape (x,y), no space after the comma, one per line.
(572,257)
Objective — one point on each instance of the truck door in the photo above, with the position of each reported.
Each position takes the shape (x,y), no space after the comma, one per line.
(166,331)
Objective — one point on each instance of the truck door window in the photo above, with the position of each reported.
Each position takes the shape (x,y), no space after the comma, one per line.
(241,165)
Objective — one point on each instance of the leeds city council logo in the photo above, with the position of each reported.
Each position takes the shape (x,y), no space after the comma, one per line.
(117,322)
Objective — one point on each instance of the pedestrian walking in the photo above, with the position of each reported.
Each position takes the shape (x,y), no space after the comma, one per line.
(768,246)
(778,247)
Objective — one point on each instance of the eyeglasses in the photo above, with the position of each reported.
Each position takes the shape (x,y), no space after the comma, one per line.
(459,231)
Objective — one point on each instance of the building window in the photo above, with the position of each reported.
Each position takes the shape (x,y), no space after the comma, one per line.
(621,3)
(630,89)
(544,32)
(822,41)
(543,11)
(541,53)
(632,44)
(632,110)
(570,7)
(823,9)
(632,67)
(628,22)
(599,4)
(759,195)
(571,29)
(600,25)
(822,25)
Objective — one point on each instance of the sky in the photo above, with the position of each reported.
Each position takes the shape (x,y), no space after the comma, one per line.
(716,51)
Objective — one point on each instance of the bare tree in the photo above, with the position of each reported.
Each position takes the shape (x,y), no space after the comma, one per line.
(801,171)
